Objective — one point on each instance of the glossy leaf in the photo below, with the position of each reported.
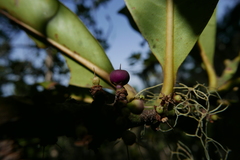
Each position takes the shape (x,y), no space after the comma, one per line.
(51,21)
(189,20)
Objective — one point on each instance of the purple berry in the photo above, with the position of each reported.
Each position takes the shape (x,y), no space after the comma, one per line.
(119,77)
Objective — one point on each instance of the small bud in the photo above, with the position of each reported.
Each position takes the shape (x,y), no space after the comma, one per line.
(142,96)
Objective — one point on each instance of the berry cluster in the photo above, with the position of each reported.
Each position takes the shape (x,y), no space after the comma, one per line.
(121,108)
(120,78)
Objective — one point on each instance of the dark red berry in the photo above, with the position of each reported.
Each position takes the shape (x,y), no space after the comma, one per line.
(129,138)
(119,77)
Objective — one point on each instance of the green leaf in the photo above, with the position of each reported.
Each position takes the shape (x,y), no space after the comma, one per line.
(208,37)
(51,21)
(66,29)
(189,19)
(231,67)
(33,13)
(206,45)
(80,76)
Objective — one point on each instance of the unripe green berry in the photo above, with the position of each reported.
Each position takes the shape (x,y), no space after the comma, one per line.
(129,138)
(214,117)
(177,98)
(136,106)
(159,109)
(96,80)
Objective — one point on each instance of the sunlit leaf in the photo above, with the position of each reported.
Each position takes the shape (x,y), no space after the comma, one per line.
(189,20)
(56,24)
(33,13)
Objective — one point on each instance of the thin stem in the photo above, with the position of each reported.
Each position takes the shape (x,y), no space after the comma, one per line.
(168,68)
(128,152)
(209,68)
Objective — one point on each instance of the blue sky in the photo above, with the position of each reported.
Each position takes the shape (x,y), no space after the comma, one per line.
(124,40)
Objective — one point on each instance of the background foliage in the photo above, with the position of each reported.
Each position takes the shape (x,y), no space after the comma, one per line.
(25,77)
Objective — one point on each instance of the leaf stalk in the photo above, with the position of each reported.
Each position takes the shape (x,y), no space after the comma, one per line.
(209,68)
(168,68)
